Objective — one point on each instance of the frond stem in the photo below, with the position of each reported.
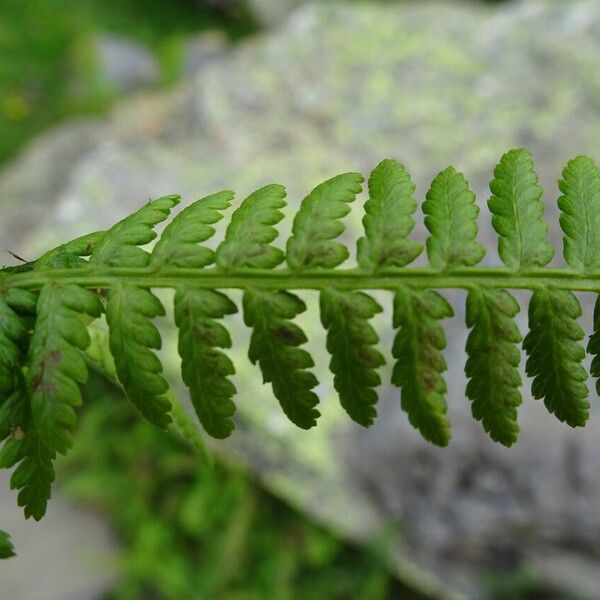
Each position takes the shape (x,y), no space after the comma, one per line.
(278,279)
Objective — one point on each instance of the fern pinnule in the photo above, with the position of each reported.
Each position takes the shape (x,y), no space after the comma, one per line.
(451,215)
(388,219)
(55,370)
(555,355)
(493,362)
(419,361)
(518,212)
(317,224)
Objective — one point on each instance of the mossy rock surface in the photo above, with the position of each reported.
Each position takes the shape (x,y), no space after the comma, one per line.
(337,88)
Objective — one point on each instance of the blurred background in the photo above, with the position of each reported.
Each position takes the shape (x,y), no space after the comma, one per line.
(104,103)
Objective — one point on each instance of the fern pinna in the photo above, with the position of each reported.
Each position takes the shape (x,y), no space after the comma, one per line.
(45,306)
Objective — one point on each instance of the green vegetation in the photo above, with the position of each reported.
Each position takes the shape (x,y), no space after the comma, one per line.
(191,531)
(48,71)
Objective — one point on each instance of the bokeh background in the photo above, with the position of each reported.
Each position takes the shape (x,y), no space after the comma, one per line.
(104,103)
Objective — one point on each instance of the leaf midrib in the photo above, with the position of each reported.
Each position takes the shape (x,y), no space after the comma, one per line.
(316,279)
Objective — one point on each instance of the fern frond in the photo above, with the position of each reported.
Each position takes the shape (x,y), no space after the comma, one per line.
(132,337)
(69,254)
(249,235)
(593,346)
(518,212)
(56,367)
(452,221)
(350,341)
(555,355)
(179,243)
(274,345)
(17,317)
(130,309)
(580,218)
(204,368)
(120,246)
(420,363)
(44,302)
(6,548)
(388,219)
(275,338)
(493,362)
(317,224)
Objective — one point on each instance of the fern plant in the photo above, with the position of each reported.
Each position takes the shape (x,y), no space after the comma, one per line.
(46,305)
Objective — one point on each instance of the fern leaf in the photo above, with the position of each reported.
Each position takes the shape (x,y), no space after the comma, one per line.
(6,548)
(593,346)
(493,362)
(13,337)
(275,339)
(452,221)
(580,218)
(388,219)
(130,309)
(420,363)
(518,212)
(56,368)
(274,345)
(248,238)
(12,331)
(317,223)
(120,245)
(132,335)
(555,355)
(205,369)
(179,243)
(350,341)
(69,253)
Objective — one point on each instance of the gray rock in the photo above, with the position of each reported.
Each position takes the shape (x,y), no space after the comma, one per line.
(338,88)
(201,49)
(124,64)
(269,12)
(69,557)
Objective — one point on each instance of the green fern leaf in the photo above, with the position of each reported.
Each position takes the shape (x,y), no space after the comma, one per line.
(56,368)
(205,369)
(317,223)
(593,346)
(132,335)
(249,235)
(555,356)
(14,329)
(119,247)
(420,363)
(274,345)
(179,243)
(6,548)
(350,341)
(69,254)
(388,219)
(452,221)
(35,423)
(275,339)
(518,211)
(493,362)
(130,309)
(580,218)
